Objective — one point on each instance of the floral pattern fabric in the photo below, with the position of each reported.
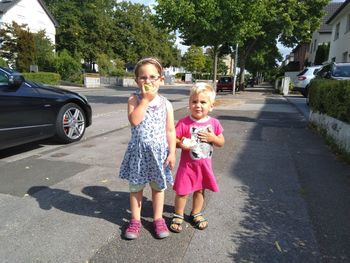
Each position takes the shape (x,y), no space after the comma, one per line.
(148,149)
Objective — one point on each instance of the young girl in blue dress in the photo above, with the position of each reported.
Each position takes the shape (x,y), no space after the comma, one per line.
(150,155)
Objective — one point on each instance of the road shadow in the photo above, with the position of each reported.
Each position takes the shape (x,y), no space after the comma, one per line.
(95,201)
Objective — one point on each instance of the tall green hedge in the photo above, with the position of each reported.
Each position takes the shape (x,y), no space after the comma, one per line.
(331,97)
(43,77)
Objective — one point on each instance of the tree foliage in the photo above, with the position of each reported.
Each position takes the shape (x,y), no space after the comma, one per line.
(249,23)
(194,59)
(321,54)
(93,29)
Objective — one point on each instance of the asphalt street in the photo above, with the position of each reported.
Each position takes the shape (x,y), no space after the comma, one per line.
(284,196)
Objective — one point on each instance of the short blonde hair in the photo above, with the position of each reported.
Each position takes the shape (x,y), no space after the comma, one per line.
(150,60)
(203,87)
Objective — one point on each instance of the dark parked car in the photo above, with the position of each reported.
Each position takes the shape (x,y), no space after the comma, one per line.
(337,71)
(30,111)
(225,83)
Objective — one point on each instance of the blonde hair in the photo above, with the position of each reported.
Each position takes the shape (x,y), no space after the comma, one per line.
(203,87)
(149,60)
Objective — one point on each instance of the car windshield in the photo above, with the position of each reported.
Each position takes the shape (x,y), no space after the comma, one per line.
(225,80)
(342,71)
(302,73)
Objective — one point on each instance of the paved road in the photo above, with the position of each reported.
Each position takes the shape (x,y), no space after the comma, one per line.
(284,197)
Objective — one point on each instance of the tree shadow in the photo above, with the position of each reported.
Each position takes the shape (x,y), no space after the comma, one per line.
(96,201)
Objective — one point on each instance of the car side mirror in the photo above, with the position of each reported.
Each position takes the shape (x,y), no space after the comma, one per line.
(15,80)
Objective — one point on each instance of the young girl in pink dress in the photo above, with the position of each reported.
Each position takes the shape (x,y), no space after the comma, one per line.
(195,135)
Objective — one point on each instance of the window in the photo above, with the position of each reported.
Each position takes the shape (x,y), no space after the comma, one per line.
(345,56)
(347,29)
(336,33)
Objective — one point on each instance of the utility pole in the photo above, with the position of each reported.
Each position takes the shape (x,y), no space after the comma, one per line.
(235,70)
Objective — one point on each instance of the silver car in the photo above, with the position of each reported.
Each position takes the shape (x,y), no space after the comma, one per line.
(302,81)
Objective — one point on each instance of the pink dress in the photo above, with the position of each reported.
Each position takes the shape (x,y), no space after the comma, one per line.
(195,170)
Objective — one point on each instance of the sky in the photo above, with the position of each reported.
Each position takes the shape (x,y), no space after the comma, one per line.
(284,50)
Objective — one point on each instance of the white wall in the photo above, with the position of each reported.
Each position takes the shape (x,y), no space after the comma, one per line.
(342,44)
(320,39)
(31,13)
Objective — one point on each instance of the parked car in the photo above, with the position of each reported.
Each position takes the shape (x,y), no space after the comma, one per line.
(30,111)
(302,81)
(225,83)
(337,71)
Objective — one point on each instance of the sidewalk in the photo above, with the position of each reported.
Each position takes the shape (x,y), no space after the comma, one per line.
(283,198)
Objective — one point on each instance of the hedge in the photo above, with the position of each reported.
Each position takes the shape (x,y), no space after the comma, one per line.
(331,97)
(43,77)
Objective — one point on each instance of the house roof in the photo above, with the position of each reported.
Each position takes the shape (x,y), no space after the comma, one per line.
(330,9)
(6,5)
(338,11)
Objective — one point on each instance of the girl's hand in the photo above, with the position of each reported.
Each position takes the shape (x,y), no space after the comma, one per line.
(170,161)
(208,136)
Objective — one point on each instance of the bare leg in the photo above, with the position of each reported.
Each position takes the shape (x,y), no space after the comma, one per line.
(180,203)
(158,204)
(135,204)
(198,202)
(197,206)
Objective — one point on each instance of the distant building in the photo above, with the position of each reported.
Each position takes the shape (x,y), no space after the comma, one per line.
(301,55)
(33,13)
(340,39)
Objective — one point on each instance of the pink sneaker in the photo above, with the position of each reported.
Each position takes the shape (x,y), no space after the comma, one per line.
(160,228)
(133,230)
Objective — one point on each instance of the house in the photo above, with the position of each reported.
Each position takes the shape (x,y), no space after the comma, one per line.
(33,13)
(323,35)
(340,40)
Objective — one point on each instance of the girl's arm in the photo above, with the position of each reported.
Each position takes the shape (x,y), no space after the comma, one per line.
(137,108)
(171,136)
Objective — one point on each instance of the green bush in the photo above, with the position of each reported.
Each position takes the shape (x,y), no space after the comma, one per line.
(331,97)
(43,77)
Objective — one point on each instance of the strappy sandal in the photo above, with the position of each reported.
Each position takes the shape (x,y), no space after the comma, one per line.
(176,223)
(198,221)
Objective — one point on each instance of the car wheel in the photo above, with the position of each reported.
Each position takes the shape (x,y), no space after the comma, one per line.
(70,123)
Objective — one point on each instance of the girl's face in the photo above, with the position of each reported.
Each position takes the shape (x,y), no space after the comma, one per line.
(148,74)
(200,106)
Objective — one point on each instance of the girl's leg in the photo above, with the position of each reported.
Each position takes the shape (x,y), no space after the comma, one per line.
(198,202)
(158,204)
(136,204)
(197,206)
(160,227)
(180,204)
(134,227)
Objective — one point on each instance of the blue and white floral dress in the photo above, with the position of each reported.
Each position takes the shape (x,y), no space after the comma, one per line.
(148,148)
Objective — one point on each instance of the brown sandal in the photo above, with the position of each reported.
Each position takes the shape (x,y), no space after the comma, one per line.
(176,223)
(198,221)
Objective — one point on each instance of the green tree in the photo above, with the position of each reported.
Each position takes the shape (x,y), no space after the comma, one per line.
(322,53)
(137,35)
(25,50)
(11,42)
(68,67)
(216,22)
(194,59)
(44,52)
